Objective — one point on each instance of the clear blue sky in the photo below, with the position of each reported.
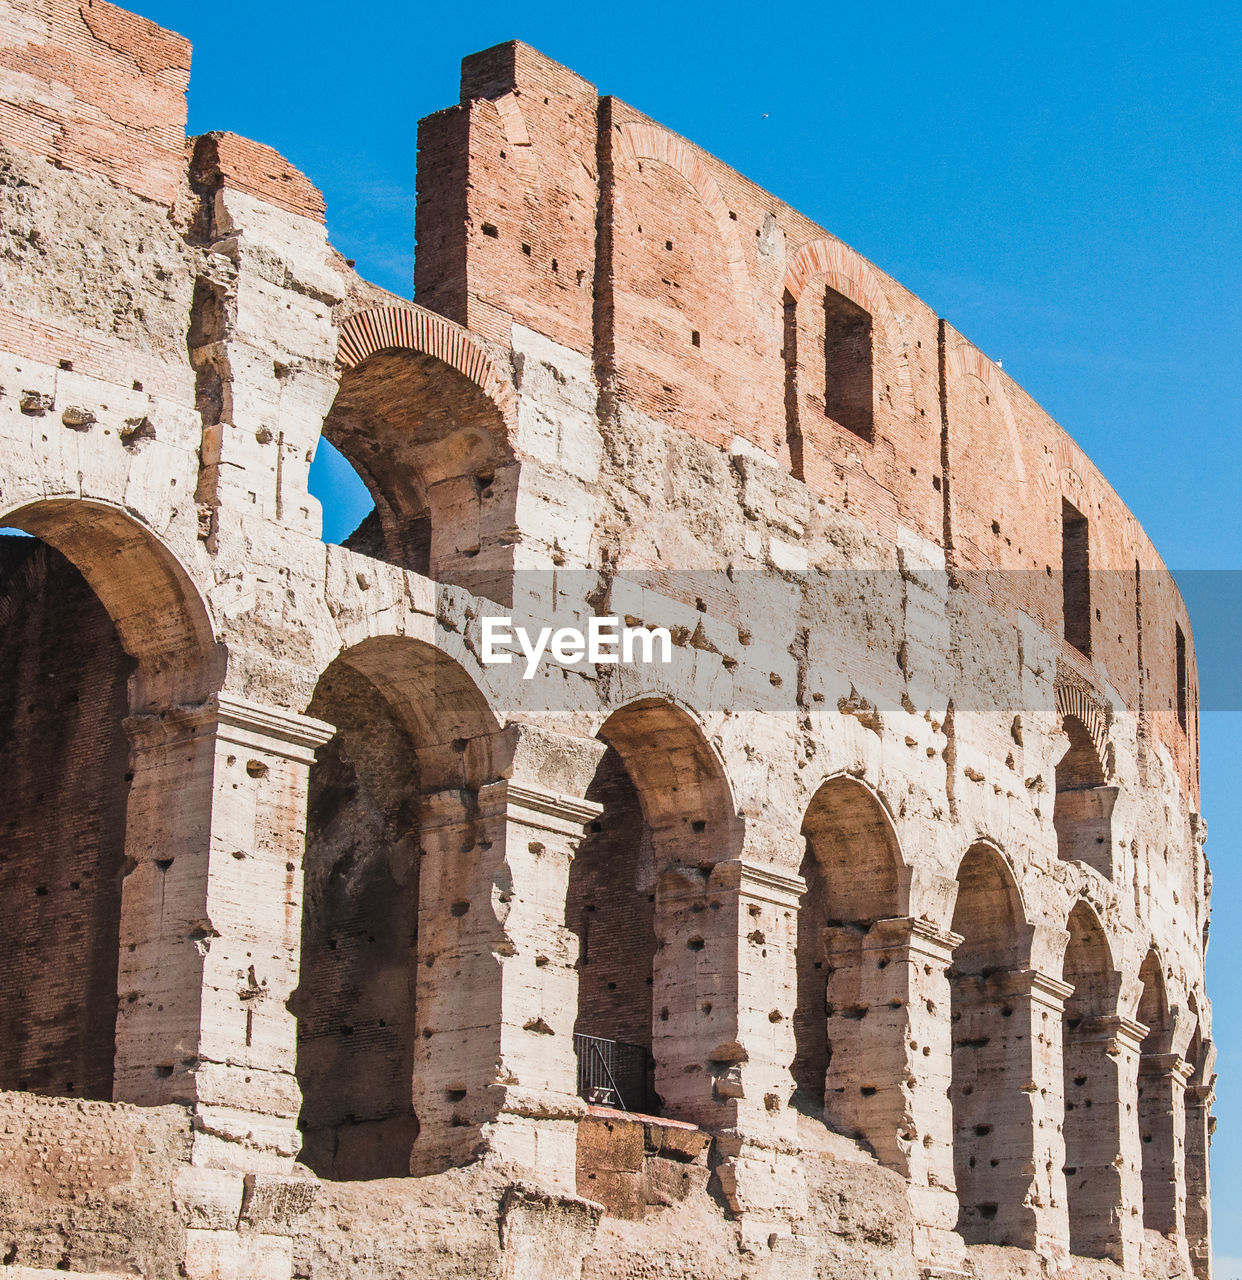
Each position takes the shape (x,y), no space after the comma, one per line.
(1062,182)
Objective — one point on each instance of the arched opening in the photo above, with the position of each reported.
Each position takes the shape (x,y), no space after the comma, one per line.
(851,871)
(1083,810)
(431,445)
(63,677)
(1198,1138)
(409,723)
(97,623)
(665,802)
(350,519)
(1159,1102)
(992,1143)
(1092,1103)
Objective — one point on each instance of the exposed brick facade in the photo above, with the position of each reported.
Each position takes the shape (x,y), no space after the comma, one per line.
(894,868)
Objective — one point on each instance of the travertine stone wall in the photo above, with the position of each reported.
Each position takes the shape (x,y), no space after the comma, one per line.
(903,890)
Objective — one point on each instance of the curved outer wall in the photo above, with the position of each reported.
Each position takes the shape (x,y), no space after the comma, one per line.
(631,383)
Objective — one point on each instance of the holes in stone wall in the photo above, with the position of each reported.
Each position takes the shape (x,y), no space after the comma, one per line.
(1092,1133)
(989,1070)
(850,867)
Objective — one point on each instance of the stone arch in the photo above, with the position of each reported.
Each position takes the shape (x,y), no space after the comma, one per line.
(104,636)
(1161,1102)
(161,617)
(426,415)
(842,269)
(1001,934)
(366,333)
(667,810)
(1082,814)
(649,142)
(1154,1010)
(411,726)
(1095,1150)
(989,988)
(853,869)
(1075,702)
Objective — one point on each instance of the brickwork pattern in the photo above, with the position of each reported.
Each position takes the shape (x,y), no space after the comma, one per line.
(904,890)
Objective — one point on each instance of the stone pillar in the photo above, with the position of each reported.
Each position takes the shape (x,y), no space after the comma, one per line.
(1198,1186)
(725,990)
(1008,1113)
(891,1066)
(1103,1163)
(1162,1130)
(211,914)
(497,991)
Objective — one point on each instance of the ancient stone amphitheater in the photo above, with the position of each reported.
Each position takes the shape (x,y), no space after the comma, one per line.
(861,938)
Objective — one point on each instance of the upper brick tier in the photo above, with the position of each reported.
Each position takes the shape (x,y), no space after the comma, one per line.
(706,302)
(702,300)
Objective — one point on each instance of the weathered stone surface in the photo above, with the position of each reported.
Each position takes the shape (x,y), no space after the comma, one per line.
(874,918)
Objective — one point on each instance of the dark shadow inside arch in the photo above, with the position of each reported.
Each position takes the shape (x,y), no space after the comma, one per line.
(408,721)
(665,800)
(1157,1111)
(63,792)
(851,870)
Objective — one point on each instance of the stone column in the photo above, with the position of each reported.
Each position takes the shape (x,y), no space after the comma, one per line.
(725,990)
(1162,1129)
(891,1067)
(1008,1127)
(211,914)
(497,991)
(1103,1162)
(1198,1187)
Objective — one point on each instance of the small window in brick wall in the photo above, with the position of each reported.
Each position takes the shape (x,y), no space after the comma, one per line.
(848,390)
(1182,689)
(1076,578)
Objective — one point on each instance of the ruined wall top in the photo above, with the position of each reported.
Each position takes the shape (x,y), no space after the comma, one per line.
(700,300)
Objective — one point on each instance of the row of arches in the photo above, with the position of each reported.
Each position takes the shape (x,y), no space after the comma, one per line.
(411,726)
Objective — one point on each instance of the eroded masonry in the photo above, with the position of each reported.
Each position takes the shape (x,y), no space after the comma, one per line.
(864,938)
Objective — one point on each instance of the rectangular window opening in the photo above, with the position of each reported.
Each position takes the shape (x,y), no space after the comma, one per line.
(848,386)
(1182,689)
(1076,578)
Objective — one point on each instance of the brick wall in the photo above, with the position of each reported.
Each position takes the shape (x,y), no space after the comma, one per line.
(712,308)
(62,825)
(96,89)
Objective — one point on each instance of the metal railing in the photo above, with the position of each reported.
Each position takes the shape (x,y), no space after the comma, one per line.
(612,1073)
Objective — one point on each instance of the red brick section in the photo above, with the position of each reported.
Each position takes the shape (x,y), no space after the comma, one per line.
(62,825)
(408,328)
(95,89)
(507,199)
(243,165)
(711,309)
